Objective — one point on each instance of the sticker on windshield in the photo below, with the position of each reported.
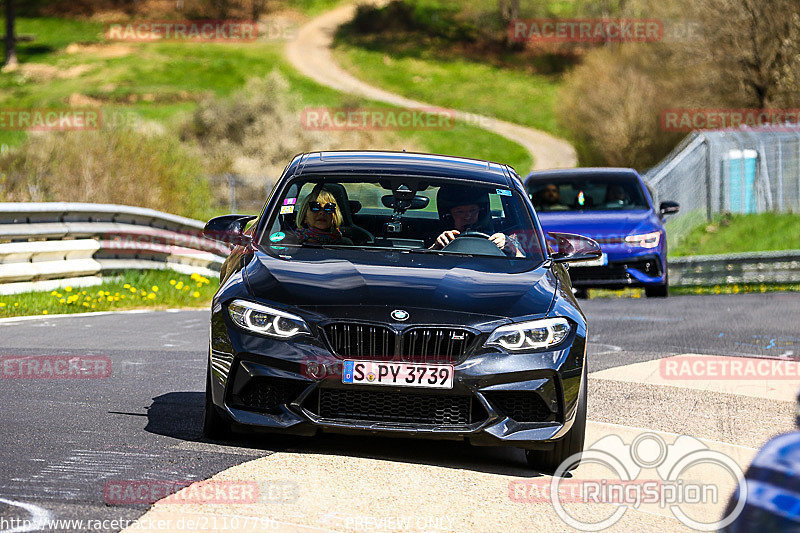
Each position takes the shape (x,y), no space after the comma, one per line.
(277,236)
(286,209)
(504,192)
(289,201)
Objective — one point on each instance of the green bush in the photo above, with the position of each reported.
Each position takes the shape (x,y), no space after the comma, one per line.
(115,164)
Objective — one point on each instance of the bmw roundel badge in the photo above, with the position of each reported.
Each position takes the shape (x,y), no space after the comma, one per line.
(400,315)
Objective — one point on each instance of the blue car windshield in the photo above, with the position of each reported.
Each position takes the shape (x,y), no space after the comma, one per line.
(606,193)
(407,214)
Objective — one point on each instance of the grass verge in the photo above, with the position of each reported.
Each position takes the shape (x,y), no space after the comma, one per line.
(507,94)
(734,233)
(148,289)
(737,288)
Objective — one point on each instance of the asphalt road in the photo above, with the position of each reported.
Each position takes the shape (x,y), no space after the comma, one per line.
(63,441)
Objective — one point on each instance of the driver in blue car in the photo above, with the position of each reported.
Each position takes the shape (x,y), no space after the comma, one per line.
(467,211)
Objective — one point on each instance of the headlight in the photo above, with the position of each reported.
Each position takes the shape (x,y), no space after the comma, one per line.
(533,335)
(266,320)
(645,240)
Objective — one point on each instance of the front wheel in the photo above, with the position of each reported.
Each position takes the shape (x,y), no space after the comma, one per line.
(570,444)
(658,291)
(214,425)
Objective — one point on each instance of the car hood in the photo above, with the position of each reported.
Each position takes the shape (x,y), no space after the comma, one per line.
(600,224)
(314,278)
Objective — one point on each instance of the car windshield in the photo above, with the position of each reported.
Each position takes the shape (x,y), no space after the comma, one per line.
(580,193)
(408,214)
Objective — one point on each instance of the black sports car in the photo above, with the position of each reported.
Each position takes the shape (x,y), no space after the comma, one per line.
(401,293)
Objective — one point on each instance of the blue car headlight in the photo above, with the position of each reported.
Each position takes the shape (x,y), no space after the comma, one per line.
(532,335)
(266,320)
(644,240)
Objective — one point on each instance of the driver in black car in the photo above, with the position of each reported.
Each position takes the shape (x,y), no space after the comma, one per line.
(466,210)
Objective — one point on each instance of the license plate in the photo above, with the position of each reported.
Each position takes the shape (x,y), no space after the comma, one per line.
(599,262)
(397,374)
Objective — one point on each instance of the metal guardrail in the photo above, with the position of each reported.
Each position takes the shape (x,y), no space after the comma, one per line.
(750,267)
(46,245)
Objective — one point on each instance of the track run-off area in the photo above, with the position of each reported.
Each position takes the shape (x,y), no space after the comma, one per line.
(71,447)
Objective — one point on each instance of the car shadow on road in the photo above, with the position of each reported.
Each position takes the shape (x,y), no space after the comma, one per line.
(180,415)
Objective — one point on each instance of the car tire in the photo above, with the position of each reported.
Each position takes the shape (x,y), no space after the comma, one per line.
(215,426)
(581,294)
(549,460)
(659,291)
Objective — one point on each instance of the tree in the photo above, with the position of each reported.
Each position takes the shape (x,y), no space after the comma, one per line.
(11,39)
(751,48)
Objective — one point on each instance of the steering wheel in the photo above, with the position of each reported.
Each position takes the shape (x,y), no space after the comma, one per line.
(474,234)
(474,242)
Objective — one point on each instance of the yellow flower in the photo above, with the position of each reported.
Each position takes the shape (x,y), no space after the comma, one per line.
(154,288)
(110,299)
(62,300)
(16,304)
(93,306)
(83,292)
(151,296)
(53,293)
(44,312)
(186,287)
(68,288)
(85,304)
(199,284)
(133,290)
(2,304)
(195,294)
(172,282)
(126,286)
(179,286)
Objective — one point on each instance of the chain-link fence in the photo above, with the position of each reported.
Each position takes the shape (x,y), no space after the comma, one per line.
(742,171)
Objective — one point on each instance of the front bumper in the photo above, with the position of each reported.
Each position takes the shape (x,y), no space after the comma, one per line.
(634,270)
(524,400)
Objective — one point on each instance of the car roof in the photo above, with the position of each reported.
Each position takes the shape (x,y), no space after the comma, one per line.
(398,164)
(582,172)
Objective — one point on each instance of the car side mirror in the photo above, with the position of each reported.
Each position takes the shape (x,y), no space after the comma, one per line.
(229,229)
(669,208)
(571,248)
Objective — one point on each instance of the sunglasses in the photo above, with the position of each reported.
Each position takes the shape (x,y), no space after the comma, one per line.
(315,207)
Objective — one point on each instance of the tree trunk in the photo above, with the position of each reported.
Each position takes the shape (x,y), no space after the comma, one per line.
(11,39)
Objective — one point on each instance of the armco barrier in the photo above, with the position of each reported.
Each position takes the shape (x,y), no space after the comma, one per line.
(750,267)
(44,245)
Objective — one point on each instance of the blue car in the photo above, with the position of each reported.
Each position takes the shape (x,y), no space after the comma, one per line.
(773,489)
(614,207)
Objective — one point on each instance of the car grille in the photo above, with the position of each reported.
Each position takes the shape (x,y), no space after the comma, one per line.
(406,408)
(268,394)
(522,406)
(615,272)
(379,343)
(362,340)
